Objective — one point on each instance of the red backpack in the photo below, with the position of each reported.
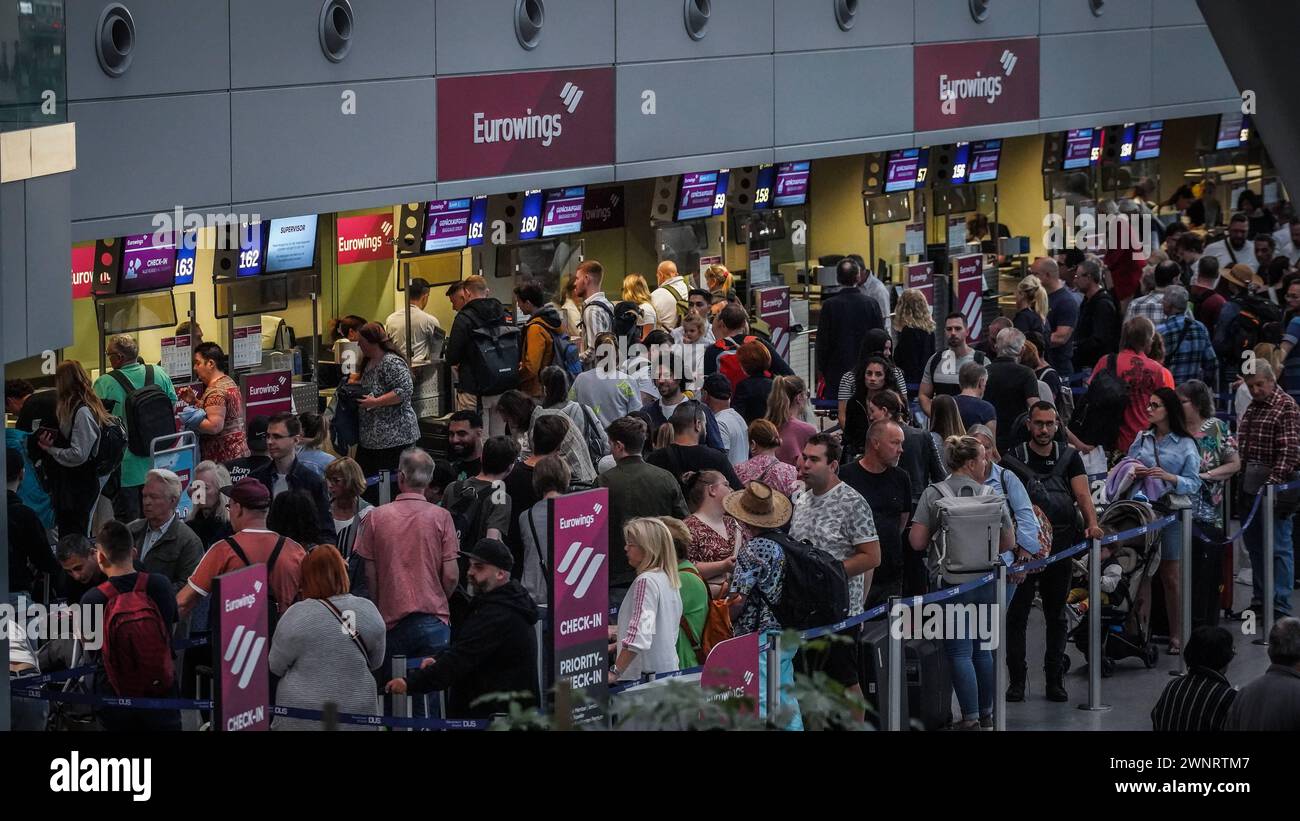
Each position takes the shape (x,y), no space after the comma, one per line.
(137,651)
(728,362)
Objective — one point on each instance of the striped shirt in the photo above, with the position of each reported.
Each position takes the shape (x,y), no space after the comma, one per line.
(1195,702)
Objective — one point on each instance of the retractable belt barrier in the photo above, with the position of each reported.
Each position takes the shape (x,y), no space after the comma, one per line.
(207,704)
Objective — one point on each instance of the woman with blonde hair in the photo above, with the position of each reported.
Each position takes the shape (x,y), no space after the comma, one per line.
(652,609)
(80,417)
(719,281)
(914,330)
(785,407)
(637,292)
(1031,307)
(570,309)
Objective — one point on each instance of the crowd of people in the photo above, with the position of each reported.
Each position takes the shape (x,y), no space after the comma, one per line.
(720,476)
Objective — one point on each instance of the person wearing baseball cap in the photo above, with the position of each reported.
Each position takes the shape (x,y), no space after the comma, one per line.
(735,433)
(252,544)
(495,649)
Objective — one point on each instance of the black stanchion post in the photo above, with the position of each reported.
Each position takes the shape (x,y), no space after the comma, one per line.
(401,704)
(1269,581)
(1095,649)
(773,675)
(385,488)
(1185,571)
(1000,656)
(894,713)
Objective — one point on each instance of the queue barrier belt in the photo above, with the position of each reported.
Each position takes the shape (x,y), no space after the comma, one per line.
(286,712)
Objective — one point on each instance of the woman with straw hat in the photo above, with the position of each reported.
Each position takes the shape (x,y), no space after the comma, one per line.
(760,567)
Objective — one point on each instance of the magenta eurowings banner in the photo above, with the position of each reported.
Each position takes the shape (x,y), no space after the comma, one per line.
(243,644)
(968,287)
(731,671)
(579,596)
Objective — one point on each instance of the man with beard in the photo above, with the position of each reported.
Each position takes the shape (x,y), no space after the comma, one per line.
(671,384)
(1054,475)
(888,491)
(941,372)
(465,443)
(495,649)
(1234,250)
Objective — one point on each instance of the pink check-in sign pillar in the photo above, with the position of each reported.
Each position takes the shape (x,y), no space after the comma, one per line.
(579,597)
(968,284)
(243,644)
(731,672)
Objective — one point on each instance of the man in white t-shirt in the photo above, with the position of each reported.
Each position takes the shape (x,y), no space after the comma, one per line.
(1288,240)
(735,433)
(1234,250)
(672,288)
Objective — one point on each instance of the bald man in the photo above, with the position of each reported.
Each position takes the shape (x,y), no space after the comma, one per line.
(671,291)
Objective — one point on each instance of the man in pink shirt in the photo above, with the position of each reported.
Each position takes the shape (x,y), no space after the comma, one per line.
(410,550)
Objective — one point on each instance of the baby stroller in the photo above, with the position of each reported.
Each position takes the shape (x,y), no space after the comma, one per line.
(1124,564)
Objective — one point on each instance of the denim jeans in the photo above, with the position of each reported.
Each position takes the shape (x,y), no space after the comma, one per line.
(1283,563)
(788,700)
(415,636)
(972,666)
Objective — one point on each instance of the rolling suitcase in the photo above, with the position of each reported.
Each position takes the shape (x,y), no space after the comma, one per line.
(926,698)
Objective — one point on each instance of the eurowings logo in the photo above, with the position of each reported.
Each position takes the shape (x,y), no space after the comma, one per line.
(387,228)
(245,649)
(257,587)
(597,508)
(749,677)
(580,565)
(1008,61)
(572,95)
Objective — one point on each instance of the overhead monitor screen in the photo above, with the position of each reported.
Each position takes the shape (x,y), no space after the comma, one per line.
(530,215)
(791,184)
(148,263)
(291,244)
(186,252)
(905,170)
(252,241)
(696,194)
(977,162)
(720,195)
(1146,145)
(457,223)
(1234,131)
(562,211)
(1078,148)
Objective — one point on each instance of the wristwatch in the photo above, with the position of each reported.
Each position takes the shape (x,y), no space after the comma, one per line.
(614,671)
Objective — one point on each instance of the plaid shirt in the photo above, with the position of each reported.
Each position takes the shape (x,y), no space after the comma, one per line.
(1269,434)
(1150,306)
(1194,358)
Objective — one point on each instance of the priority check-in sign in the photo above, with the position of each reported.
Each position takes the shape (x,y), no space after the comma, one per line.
(579,597)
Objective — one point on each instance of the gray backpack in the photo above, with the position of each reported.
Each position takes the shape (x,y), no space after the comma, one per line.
(967,533)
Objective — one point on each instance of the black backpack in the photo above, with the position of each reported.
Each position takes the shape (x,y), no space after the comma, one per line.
(1099,410)
(493,359)
(273,605)
(147,412)
(814,589)
(1258,321)
(111,448)
(1049,491)
(469,517)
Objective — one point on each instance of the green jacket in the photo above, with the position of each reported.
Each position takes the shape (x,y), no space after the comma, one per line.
(637,489)
(134,467)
